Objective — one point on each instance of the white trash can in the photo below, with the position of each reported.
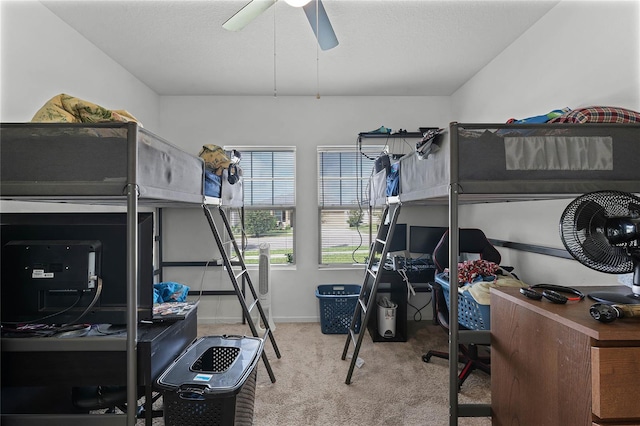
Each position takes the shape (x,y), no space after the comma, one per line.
(387,318)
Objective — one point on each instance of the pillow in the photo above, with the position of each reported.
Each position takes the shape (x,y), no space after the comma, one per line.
(599,114)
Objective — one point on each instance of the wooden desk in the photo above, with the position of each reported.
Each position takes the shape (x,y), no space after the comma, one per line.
(52,366)
(554,364)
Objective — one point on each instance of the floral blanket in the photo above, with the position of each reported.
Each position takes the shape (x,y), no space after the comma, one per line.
(68,109)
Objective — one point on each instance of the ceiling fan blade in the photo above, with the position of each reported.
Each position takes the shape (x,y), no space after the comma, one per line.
(326,37)
(248,13)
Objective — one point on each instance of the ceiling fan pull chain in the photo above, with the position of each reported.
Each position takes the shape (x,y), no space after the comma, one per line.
(275,88)
(317,52)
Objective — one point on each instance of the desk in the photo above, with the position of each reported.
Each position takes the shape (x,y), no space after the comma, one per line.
(58,364)
(554,364)
(392,283)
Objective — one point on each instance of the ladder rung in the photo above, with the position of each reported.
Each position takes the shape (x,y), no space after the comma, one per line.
(352,333)
(266,333)
(381,241)
(253,305)
(362,306)
(244,271)
(372,273)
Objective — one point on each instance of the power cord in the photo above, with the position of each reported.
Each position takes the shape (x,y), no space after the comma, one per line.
(417,316)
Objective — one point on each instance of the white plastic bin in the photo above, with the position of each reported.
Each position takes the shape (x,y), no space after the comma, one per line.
(387,318)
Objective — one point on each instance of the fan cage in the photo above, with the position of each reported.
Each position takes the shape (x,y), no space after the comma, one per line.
(582,230)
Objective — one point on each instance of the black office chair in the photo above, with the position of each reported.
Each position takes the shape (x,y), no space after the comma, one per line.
(470,241)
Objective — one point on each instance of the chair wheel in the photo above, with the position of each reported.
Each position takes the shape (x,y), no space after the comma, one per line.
(426,357)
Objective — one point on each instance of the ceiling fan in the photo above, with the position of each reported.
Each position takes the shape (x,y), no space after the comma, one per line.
(314,10)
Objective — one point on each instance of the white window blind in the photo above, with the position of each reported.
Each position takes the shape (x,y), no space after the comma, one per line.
(343,178)
(268,177)
(343,174)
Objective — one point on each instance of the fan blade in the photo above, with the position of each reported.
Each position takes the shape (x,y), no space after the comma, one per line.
(326,37)
(589,215)
(248,13)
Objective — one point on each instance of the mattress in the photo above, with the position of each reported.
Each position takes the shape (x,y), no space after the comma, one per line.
(64,160)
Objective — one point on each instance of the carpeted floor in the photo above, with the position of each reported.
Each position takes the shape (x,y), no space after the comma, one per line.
(393,387)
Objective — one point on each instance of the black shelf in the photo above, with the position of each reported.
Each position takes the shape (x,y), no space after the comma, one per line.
(393,285)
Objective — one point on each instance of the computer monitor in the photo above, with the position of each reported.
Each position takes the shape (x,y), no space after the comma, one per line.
(52,264)
(399,240)
(424,239)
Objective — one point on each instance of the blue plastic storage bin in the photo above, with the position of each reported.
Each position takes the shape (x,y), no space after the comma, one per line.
(337,305)
(471,314)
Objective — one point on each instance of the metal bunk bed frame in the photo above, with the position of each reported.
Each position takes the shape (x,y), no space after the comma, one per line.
(458,192)
(131,198)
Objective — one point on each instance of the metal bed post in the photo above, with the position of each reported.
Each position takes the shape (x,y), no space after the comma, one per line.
(132,272)
(453,279)
(469,336)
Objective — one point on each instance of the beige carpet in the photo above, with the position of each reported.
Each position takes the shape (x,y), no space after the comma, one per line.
(393,387)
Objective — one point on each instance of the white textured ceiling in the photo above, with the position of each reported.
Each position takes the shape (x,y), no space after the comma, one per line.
(387,47)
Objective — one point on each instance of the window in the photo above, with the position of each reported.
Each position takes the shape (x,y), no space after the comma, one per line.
(345,222)
(269,200)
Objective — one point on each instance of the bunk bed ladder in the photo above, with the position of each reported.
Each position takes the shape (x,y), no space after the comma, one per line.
(367,298)
(246,309)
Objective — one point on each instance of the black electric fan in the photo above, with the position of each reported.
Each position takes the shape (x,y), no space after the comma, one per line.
(602,231)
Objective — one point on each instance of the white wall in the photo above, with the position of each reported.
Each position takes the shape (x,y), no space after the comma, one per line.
(41,56)
(303,122)
(579,54)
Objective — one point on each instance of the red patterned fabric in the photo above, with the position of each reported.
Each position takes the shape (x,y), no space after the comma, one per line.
(470,270)
(599,114)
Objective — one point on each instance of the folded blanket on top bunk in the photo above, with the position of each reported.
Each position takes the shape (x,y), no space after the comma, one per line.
(68,109)
(592,114)
(598,114)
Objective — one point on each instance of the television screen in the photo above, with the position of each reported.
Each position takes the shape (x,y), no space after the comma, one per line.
(60,267)
(424,239)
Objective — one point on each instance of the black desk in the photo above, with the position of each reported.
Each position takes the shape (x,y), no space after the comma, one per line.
(51,366)
(392,284)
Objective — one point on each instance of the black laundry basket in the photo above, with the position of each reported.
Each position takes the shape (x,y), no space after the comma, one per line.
(212,383)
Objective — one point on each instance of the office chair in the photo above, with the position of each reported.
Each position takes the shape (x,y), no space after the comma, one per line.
(471,241)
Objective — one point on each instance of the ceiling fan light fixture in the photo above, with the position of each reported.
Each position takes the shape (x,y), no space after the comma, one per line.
(297,3)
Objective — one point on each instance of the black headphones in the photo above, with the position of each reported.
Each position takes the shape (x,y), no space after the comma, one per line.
(552,292)
(232,174)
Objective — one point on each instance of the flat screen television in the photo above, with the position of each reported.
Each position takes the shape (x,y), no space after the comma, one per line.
(424,239)
(54,264)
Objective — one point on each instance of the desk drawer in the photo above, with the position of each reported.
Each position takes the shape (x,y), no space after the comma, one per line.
(615,384)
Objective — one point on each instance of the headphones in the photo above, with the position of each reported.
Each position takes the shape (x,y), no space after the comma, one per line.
(232,174)
(552,292)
